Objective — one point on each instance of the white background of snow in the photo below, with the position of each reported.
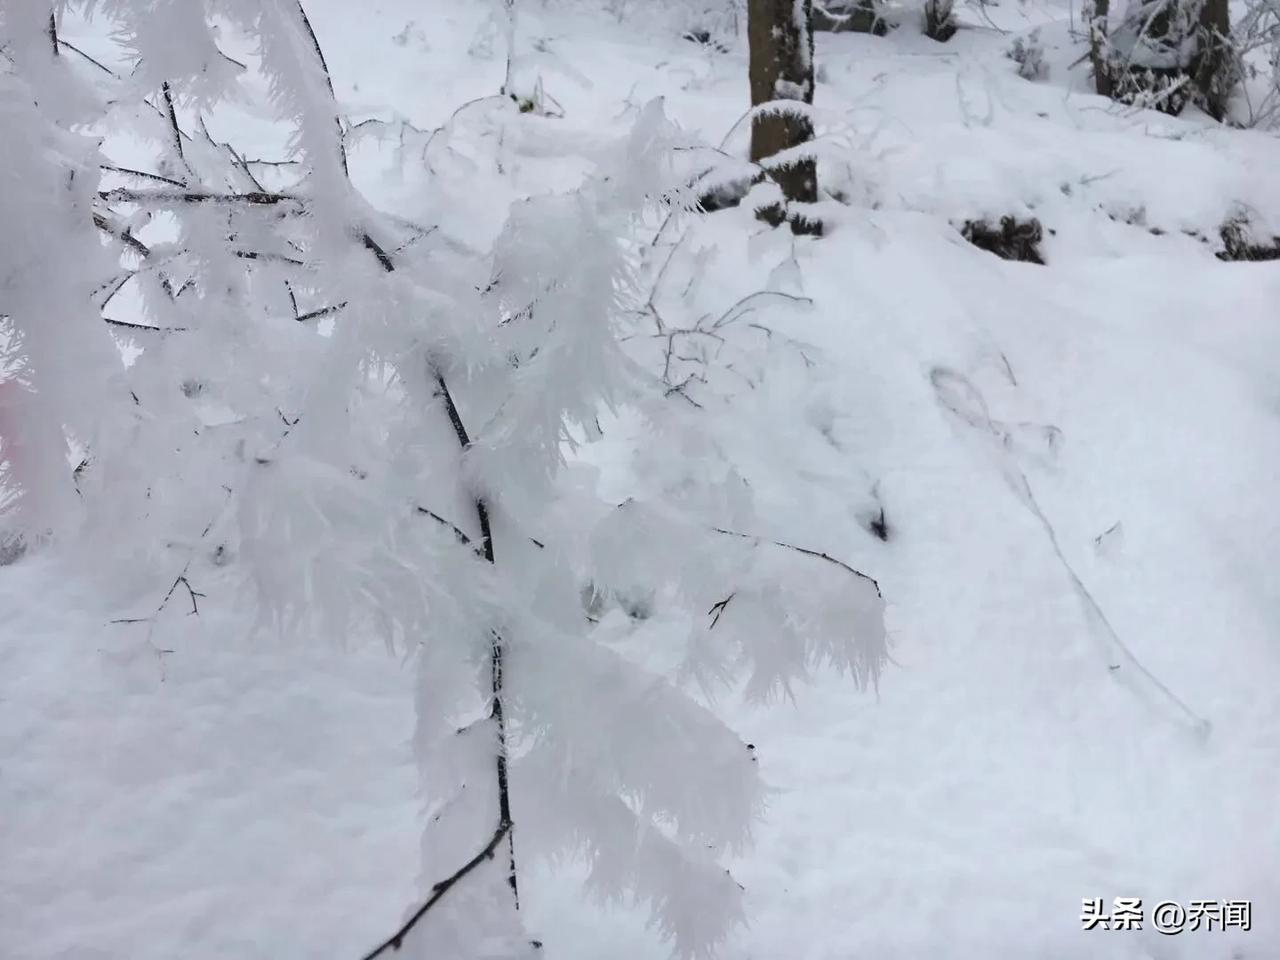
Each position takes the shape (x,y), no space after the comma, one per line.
(259,802)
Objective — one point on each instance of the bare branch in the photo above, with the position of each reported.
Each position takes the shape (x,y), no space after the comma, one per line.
(172,114)
(143,174)
(76,50)
(328,79)
(742,308)
(122,234)
(718,608)
(267,255)
(142,326)
(804,550)
(462,536)
(396,940)
(112,287)
(458,532)
(170,197)
(317,314)
(383,258)
(191,593)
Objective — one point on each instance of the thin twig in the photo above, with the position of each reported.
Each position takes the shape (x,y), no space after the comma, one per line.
(267,255)
(463,537)
(718,608)
(396,940)
(817,554)
(383,258)
(149,328)
(112,287)
(978,416)
(125,236)
(316,314)
(122,234)
(171,112)
(143,174)
(76,50)
(729,316)
(458,532)
(181,578)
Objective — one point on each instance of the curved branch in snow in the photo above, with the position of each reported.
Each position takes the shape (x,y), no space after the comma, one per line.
(964,401)
(816,554)
(396,940)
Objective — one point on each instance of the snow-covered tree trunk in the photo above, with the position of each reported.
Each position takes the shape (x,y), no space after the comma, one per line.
(1165,54)
(939,20)
(1095,14)
(1213,70)
(780,35)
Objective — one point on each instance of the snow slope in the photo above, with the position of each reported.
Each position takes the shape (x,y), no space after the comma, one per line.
(238,800)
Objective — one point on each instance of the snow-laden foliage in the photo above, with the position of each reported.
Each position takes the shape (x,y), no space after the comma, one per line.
(1028,53)
(61,382)
(365,424)
(1256,43)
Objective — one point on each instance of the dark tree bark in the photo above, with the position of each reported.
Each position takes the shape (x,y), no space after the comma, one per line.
(939,20)
(1213,70)
(1095,17)
(780,34)
(1166,54)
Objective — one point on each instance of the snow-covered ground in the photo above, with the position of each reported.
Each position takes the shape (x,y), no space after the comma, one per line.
(1077,465)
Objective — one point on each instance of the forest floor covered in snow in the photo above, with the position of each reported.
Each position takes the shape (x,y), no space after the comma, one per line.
(1075,464)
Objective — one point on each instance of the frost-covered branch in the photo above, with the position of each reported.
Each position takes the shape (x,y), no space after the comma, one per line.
(497,651)
(172,197)
(451,386)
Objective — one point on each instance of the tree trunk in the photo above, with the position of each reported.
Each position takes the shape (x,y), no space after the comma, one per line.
(1095,17)
(939,20)
(780,36)
(1213,71)
(1165,54)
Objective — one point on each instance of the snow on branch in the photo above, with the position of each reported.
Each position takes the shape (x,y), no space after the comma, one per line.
(173,197)
(447,376)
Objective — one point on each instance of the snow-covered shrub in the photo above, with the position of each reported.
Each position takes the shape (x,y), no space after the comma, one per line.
(1028,53)
(1242,240)
(51,267)
(1256,41)
(1164,54)
(374,418)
